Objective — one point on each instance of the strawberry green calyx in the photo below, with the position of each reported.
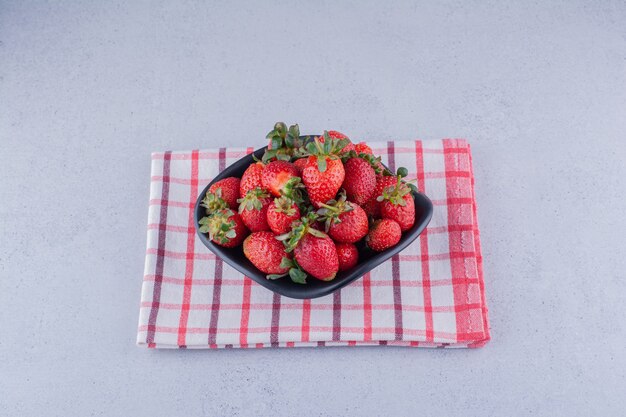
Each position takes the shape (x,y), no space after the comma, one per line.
(299,229)
(219,226)
(395,193)
(306,207)
(213,202)
(283,142)
(295,272)
(331,148)
(330,211)
(252,200)
(284,205)
(293,189)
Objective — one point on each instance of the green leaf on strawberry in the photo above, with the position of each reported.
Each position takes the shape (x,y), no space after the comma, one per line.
(213,202)
(284,143)
(321,164)
(252,200)
(300,228)
(275,276)
(395,193)
(297,275)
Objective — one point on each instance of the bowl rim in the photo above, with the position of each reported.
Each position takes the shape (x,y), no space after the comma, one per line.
(314,288)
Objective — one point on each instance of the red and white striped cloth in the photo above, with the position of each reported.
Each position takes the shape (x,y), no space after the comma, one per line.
(430,295)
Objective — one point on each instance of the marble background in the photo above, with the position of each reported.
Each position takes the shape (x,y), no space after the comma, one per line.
(89,89)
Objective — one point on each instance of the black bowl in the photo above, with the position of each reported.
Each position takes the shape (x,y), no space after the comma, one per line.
(314,288)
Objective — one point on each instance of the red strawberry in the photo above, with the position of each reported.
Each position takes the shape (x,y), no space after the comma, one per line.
(372,207)
(397,204)
(349,147)
(251,178)
(363,148)
(265,252)
(253,209)
(276,176)
(348,256)
(384,234)
(352,226)
(335,135)
(346,222)
(338,135)
(300,164)
(383,182)
(281,213)
(225,228)
(324,172)
(230,190)
(313,250)
(360,180)
(322,185)
(403,213)
(317,256)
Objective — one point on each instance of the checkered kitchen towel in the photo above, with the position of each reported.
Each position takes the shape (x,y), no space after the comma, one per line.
(431,294)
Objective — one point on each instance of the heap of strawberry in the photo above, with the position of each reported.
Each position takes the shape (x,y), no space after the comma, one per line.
(301,209)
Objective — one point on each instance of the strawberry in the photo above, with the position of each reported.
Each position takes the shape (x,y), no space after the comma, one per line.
(251,178)
(265,252)
(397,204)
(281,213)
(230,190)
(360,180)
(253,209)
(373,206)
(314,251)
(300,164)
(324,172)
(318,256)
(362,147)
(384,234)
(338,135)
(322,184)
(348,256)
(335,135)
(277,175)
(403,213)
(346,222)
(349,147)
(225,228)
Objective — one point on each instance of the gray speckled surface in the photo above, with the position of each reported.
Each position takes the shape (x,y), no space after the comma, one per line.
(88,91)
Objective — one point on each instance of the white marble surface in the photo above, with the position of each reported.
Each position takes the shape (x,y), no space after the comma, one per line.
(89,89)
